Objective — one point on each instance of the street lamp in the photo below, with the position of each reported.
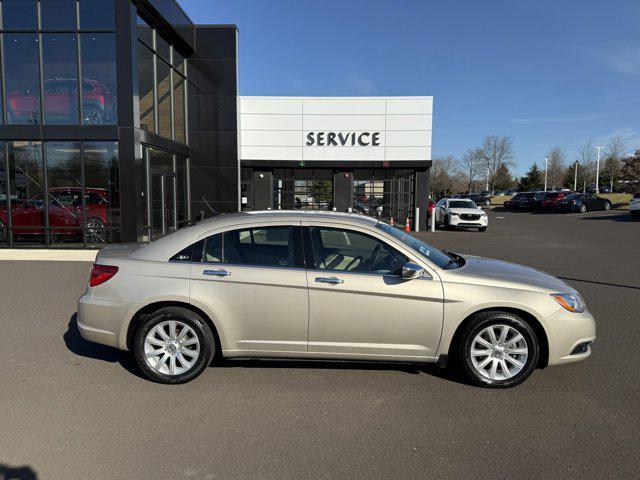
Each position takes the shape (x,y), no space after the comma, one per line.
(598,170)
(546,165)
(575,177)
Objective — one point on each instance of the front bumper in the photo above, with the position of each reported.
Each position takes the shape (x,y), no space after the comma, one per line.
(103,321)
(456,221)
(567,332)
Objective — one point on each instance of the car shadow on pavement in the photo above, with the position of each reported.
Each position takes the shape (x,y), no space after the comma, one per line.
(433,370)
(16,473)
(618,217)
(78,345)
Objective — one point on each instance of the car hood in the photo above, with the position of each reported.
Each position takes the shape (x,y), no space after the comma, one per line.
(488,271)
(471,211)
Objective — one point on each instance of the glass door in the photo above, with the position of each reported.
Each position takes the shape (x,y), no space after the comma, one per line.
(163,192)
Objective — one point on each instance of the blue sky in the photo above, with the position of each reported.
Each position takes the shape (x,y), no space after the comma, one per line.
(545,72)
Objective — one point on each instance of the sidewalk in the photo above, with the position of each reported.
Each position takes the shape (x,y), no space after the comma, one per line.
(48,255)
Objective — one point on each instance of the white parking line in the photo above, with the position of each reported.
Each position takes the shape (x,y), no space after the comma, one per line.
(48,255)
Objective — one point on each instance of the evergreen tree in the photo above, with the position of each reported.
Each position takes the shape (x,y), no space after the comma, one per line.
(533,179)
(502,180)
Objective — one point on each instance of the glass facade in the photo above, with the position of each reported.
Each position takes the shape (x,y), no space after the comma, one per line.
(59,193)
(161,85)
(56,70)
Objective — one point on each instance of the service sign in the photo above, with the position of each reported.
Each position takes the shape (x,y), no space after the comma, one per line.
(343,139)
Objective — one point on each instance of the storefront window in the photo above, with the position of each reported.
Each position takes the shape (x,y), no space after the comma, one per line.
(22,79)
(97,15)
(102,191)
(99,94)
(60,65)
(58,14)
(178,108)
(145,88)
(26,181)
(4,197)
(19,15)
(164,98)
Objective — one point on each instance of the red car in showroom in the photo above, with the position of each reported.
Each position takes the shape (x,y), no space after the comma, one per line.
(65,214)
(61,99)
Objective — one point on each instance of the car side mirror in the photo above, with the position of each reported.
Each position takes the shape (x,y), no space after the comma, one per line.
(411,271)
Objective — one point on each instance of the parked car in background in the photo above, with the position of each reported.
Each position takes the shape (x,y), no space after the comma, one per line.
(634,206)
(182,299)
(537,199)
(551,199)
(583,202)
(460,213)
(521,201)
(478,198)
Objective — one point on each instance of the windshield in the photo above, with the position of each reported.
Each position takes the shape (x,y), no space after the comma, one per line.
(461,204)
(441,259)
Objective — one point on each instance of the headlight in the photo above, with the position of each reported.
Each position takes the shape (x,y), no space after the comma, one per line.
(570,301)
(483,214)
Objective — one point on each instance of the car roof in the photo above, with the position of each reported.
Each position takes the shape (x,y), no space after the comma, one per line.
(176,241)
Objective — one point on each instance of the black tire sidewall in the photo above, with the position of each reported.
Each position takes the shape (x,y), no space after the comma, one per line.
(199,326)
(482,321)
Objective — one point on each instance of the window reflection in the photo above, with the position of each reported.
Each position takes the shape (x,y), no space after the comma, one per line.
(102,191)
(4,197)
(19,14)
(58,14)
(164,98)
(60,64)
(26,180)
(22,79)
(178,108)
(97,15)
(64,180)
(99,95)
(145,88)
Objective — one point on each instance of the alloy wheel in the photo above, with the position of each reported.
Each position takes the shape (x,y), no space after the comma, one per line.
(499,352)
(171,347)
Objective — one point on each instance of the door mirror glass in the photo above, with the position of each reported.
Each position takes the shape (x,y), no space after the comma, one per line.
(411,271)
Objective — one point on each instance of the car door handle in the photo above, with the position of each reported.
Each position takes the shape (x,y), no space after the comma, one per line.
(331,280)
(217,273)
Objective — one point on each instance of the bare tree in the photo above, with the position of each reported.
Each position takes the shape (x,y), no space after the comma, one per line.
(587,163)
(470,166)
(497,150)
(613,159)
(555,166)
(442,175)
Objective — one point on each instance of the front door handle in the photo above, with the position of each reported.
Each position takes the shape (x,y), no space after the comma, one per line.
(217,273)
(331,280)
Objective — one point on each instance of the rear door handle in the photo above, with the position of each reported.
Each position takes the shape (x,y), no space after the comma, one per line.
(331,280)
(217,273)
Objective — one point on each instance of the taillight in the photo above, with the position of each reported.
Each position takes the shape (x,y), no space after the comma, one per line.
(101,273)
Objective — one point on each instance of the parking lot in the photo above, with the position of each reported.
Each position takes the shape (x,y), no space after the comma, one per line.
(71,409)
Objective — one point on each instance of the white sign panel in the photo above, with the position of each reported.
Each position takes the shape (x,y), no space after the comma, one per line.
(335,128)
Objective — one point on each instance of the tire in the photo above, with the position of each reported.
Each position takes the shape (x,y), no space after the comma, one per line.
(482,229)
(91,116)
(172,355)
(582,208)
(487,203)
(607,206)
(516,373)
(447,223)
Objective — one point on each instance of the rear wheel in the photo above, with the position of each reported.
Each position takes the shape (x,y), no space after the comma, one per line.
(498,350)
(173,345)
(607,206)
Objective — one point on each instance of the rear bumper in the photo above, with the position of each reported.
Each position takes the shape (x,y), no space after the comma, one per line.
(567,332)
(104,322)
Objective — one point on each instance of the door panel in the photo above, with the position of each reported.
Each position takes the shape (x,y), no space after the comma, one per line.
(363,308)
(260,309)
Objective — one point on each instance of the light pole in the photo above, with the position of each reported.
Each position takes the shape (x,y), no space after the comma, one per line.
(598,170)
(487,179)
(546,165)
(575,178)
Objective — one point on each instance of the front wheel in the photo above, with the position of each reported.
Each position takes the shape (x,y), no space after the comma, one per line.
(498,350)
(173,345)
(607,206)
(582,208)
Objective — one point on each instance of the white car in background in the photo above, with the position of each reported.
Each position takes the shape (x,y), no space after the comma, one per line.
(460,213)
(634,206)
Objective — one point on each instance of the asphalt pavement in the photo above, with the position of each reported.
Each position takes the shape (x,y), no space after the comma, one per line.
(70,409)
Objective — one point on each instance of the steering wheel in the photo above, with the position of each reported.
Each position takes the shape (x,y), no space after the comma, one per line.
(374,256)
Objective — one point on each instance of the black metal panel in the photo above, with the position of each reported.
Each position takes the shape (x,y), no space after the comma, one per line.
(213,77)
(217,113)
(342,190)
(421,196)
(128,186)
(216,41)
(164,143)
(214,149)
(262,190)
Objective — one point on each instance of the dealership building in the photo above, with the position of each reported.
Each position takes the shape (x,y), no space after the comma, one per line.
(120,120)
